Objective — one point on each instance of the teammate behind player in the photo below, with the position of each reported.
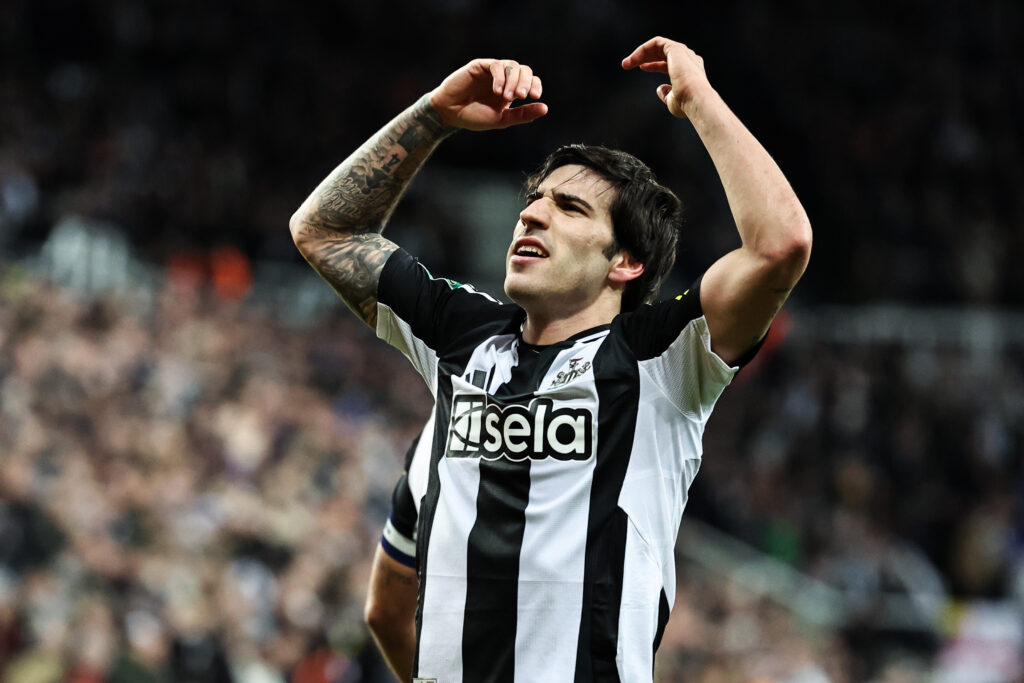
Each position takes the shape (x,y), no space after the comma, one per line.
(567,430)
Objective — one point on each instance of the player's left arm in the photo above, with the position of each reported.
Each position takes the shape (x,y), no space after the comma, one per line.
(390,612)
(742,291)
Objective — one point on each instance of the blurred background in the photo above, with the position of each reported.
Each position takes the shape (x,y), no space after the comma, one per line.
(198,442)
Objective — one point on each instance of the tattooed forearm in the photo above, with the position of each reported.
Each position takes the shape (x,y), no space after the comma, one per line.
(352,265)
(361,193)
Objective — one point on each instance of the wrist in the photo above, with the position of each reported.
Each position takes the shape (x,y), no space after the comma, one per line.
(700,101)
(428,104)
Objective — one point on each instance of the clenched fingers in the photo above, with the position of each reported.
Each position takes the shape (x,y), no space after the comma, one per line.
(536,88)
(500,70)
(512,80)
(518,82)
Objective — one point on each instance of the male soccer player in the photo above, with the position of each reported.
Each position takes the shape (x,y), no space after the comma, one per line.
(568,425)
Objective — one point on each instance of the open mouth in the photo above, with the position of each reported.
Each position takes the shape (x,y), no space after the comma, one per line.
(529,248)
(530,251)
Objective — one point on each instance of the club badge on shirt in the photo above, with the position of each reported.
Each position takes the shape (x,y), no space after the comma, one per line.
(576,369)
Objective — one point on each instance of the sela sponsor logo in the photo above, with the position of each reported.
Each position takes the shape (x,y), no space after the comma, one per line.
(575,370)
(481,429)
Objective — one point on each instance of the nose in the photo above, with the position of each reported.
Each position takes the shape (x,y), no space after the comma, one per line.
(535,215)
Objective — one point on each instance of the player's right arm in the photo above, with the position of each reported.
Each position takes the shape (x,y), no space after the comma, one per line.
(338,228)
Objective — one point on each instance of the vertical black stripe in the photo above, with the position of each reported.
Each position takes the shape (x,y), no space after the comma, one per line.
(618,389)
(602,595)
(495,543)
(489,629)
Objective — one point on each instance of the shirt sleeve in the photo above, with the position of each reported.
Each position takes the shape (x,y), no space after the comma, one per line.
(426,317)
(399,537)
(672,343)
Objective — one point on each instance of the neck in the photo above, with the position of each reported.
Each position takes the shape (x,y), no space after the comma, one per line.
(542,330)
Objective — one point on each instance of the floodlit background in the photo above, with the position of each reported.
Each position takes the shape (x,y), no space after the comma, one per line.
(198,442)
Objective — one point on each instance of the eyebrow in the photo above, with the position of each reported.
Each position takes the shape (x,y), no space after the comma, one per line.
(562,196)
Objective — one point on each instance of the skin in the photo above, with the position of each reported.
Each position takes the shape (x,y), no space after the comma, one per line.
(390,612)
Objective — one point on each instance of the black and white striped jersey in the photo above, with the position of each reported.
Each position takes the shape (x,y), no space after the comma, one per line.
(556,481)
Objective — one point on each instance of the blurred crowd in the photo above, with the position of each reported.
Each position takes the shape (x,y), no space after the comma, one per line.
(852,448)
(191,490)
(883,470)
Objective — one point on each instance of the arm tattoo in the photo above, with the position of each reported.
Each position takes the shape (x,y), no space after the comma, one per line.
(340,223)
(362,192)
(352,265)
(397,577)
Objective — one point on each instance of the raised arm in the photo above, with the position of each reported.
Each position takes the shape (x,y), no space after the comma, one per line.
(742,291)
(338,228)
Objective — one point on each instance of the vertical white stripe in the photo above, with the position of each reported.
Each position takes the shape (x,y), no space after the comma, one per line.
(419,468)
(665,455)
(553,555)
(551,570)
(638,611)
(444,597)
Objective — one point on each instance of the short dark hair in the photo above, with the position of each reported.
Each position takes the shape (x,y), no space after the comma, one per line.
(646,216)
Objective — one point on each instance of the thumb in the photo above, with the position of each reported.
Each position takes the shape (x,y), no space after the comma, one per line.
(666,95)
(523,114)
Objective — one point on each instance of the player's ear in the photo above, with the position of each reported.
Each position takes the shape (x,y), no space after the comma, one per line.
(624,268)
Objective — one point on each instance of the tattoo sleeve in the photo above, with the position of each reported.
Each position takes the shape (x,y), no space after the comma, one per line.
(391,576)
(338,227)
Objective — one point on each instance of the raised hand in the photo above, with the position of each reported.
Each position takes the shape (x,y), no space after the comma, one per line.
(685,69)
(479,96)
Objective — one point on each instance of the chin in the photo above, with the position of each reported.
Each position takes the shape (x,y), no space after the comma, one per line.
(520,292)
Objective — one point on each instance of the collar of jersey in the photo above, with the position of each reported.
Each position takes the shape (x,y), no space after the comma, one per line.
(538,348)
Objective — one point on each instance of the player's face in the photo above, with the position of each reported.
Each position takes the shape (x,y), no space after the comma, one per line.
(556,261)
